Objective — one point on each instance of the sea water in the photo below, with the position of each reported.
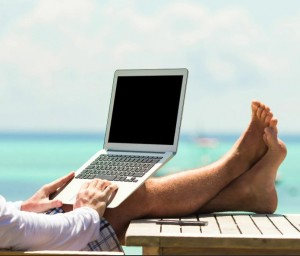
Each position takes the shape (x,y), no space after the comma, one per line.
(27,161)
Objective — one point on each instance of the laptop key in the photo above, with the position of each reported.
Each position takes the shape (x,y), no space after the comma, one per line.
(138,174)
(128,169)
(106,177)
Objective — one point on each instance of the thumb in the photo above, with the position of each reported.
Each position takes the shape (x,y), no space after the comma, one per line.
(55,203)
(110,189)
(51,204)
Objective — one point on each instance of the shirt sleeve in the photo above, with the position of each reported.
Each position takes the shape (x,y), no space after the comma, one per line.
(21,230)
(16,204)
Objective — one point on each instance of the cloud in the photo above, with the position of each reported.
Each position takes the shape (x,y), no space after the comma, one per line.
(59,12)
(61,55)
(126,35)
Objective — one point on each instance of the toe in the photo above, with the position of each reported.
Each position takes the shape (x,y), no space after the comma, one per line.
(268,118)
(254,107)
(271,136)
(259,112)
(273,124)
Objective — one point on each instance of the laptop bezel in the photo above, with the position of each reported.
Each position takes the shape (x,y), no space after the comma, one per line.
(147,147)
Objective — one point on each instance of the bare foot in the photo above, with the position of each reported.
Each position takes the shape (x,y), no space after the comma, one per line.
(276,148)
(262,195)
(251,146)
(256,187)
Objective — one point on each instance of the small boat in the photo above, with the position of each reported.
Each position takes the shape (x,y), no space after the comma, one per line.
(207,142)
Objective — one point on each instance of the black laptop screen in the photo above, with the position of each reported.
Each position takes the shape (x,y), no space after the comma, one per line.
(145,109)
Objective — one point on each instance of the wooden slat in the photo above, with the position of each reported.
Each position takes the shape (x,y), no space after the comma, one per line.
(246,225)
(283,225)
(151,250)
(265,226)
(226,251)
(143,231)
(227,224)
(190,229)
(212,226)
(144,226)
(173,229)
(230,241)
(55,253)
(294,219)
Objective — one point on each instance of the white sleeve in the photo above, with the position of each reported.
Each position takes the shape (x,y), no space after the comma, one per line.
(16,204)
(21,230)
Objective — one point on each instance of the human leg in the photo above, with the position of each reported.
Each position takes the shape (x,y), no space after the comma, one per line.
(254,190)
(171,195)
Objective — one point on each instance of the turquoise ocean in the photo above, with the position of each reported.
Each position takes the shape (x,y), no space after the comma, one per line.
(30,160)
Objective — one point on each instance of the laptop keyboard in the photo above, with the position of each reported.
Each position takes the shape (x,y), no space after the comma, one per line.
(126,168)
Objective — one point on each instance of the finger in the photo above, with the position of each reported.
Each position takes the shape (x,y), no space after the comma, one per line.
(96,183)
(100,184)
(53,204)
(113,189)
(109,190)
(53,186)
(49,205)
(105,183)
(84,186)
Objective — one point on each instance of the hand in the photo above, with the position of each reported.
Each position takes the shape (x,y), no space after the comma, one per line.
(95,194)
(40,201)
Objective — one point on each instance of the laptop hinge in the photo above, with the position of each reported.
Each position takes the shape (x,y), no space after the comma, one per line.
(133,151)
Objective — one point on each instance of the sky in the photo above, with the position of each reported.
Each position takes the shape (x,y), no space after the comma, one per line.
(58,57)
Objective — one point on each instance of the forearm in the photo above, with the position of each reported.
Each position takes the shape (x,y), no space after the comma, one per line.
(70,231)
(31,231)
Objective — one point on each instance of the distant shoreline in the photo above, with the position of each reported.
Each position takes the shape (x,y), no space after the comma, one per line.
(100,136)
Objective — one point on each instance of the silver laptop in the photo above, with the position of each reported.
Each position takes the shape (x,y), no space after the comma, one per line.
(142,131)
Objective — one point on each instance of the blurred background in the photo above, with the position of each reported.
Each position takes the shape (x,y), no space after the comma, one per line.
(58,57)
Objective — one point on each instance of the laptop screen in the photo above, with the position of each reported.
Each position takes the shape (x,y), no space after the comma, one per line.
(145,109)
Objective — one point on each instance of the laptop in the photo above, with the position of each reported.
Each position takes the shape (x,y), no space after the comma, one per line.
(142,131)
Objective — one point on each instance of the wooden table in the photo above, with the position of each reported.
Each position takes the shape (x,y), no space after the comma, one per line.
(57,253)
(225,234)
